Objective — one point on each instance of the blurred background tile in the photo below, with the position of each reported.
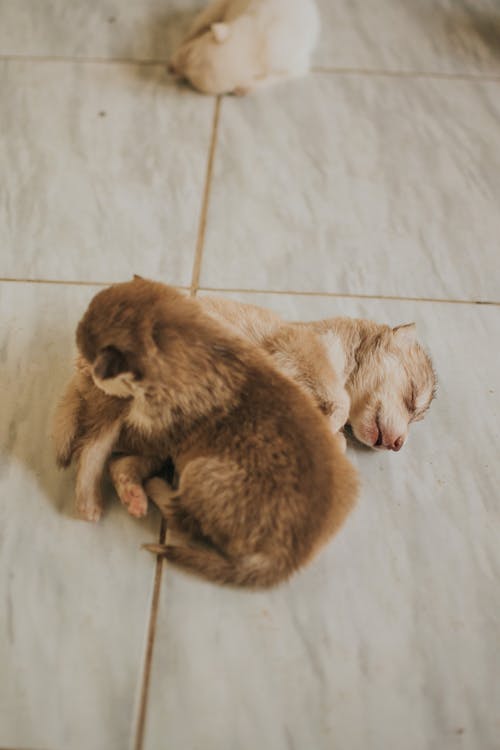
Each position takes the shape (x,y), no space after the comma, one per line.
(430,36)
(437,36)
(135,30)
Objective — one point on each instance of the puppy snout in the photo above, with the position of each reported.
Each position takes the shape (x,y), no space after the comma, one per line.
(171,68)
(395,445)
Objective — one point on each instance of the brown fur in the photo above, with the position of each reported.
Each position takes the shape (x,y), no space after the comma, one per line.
(263,483)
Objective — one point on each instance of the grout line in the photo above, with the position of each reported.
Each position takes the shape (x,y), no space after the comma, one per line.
(200,241)
(148,657)
(85,60)
(70,282)
(193,288)
(374,72)
(155,601)
(290,293)
(331,70)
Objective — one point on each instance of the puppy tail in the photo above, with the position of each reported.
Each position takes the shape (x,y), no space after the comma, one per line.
(252,571)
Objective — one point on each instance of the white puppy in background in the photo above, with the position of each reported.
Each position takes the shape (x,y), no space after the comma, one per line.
(234,46)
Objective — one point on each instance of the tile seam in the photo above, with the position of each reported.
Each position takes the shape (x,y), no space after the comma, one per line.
(316,69)
(70,282)
(283,292)
(202,225)
(150,641)
(155,600)
(381,72)
(347,295)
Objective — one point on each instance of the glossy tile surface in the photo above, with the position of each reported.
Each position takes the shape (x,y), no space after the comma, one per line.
(137,29)
(362,185)
(74,596)
(100,185)
(379,177)
(390,639)
(429,36)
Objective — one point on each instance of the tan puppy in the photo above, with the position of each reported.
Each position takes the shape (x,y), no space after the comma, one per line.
(235,46)
(263,483)
(377,379)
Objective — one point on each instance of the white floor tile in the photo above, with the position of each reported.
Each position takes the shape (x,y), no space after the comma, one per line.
(389,639)
(358,185)
(137,29)
(100,184)
(75,596)
(436,36)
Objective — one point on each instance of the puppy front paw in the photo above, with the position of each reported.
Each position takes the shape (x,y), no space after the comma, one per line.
(132,496)
(341,403)
(88,508)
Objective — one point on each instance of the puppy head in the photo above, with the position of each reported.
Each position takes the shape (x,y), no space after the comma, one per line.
(145,339)
(393,386)
(117,336)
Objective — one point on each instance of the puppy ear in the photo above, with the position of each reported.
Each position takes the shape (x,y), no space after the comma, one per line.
(220,31)
(160,336)
(136,277)
(110,362)
(406,334)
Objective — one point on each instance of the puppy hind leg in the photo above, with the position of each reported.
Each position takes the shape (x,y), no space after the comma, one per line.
(65,423)
(91,463)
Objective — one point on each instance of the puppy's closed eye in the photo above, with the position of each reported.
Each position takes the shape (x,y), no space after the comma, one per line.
(410,400)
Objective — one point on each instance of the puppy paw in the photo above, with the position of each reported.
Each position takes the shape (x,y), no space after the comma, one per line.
(132,496)
(88,509)
(340,412)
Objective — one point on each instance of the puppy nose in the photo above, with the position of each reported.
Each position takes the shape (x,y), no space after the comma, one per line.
(397,444)
(171,68)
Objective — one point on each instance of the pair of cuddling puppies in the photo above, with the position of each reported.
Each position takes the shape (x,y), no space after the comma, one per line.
(231,394)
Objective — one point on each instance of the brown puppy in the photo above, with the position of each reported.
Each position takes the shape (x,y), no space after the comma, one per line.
(263,482)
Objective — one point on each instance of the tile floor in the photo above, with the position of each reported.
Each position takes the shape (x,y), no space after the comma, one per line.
(369,189)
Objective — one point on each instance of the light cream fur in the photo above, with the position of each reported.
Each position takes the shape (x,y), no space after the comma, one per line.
(377,379)
(235,46)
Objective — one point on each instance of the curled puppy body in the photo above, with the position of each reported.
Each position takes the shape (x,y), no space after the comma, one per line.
(376,378)
(263,483)
(235,46)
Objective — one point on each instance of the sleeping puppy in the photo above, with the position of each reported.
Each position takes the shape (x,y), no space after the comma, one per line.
(376,378)
(263,483)
(235,46)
